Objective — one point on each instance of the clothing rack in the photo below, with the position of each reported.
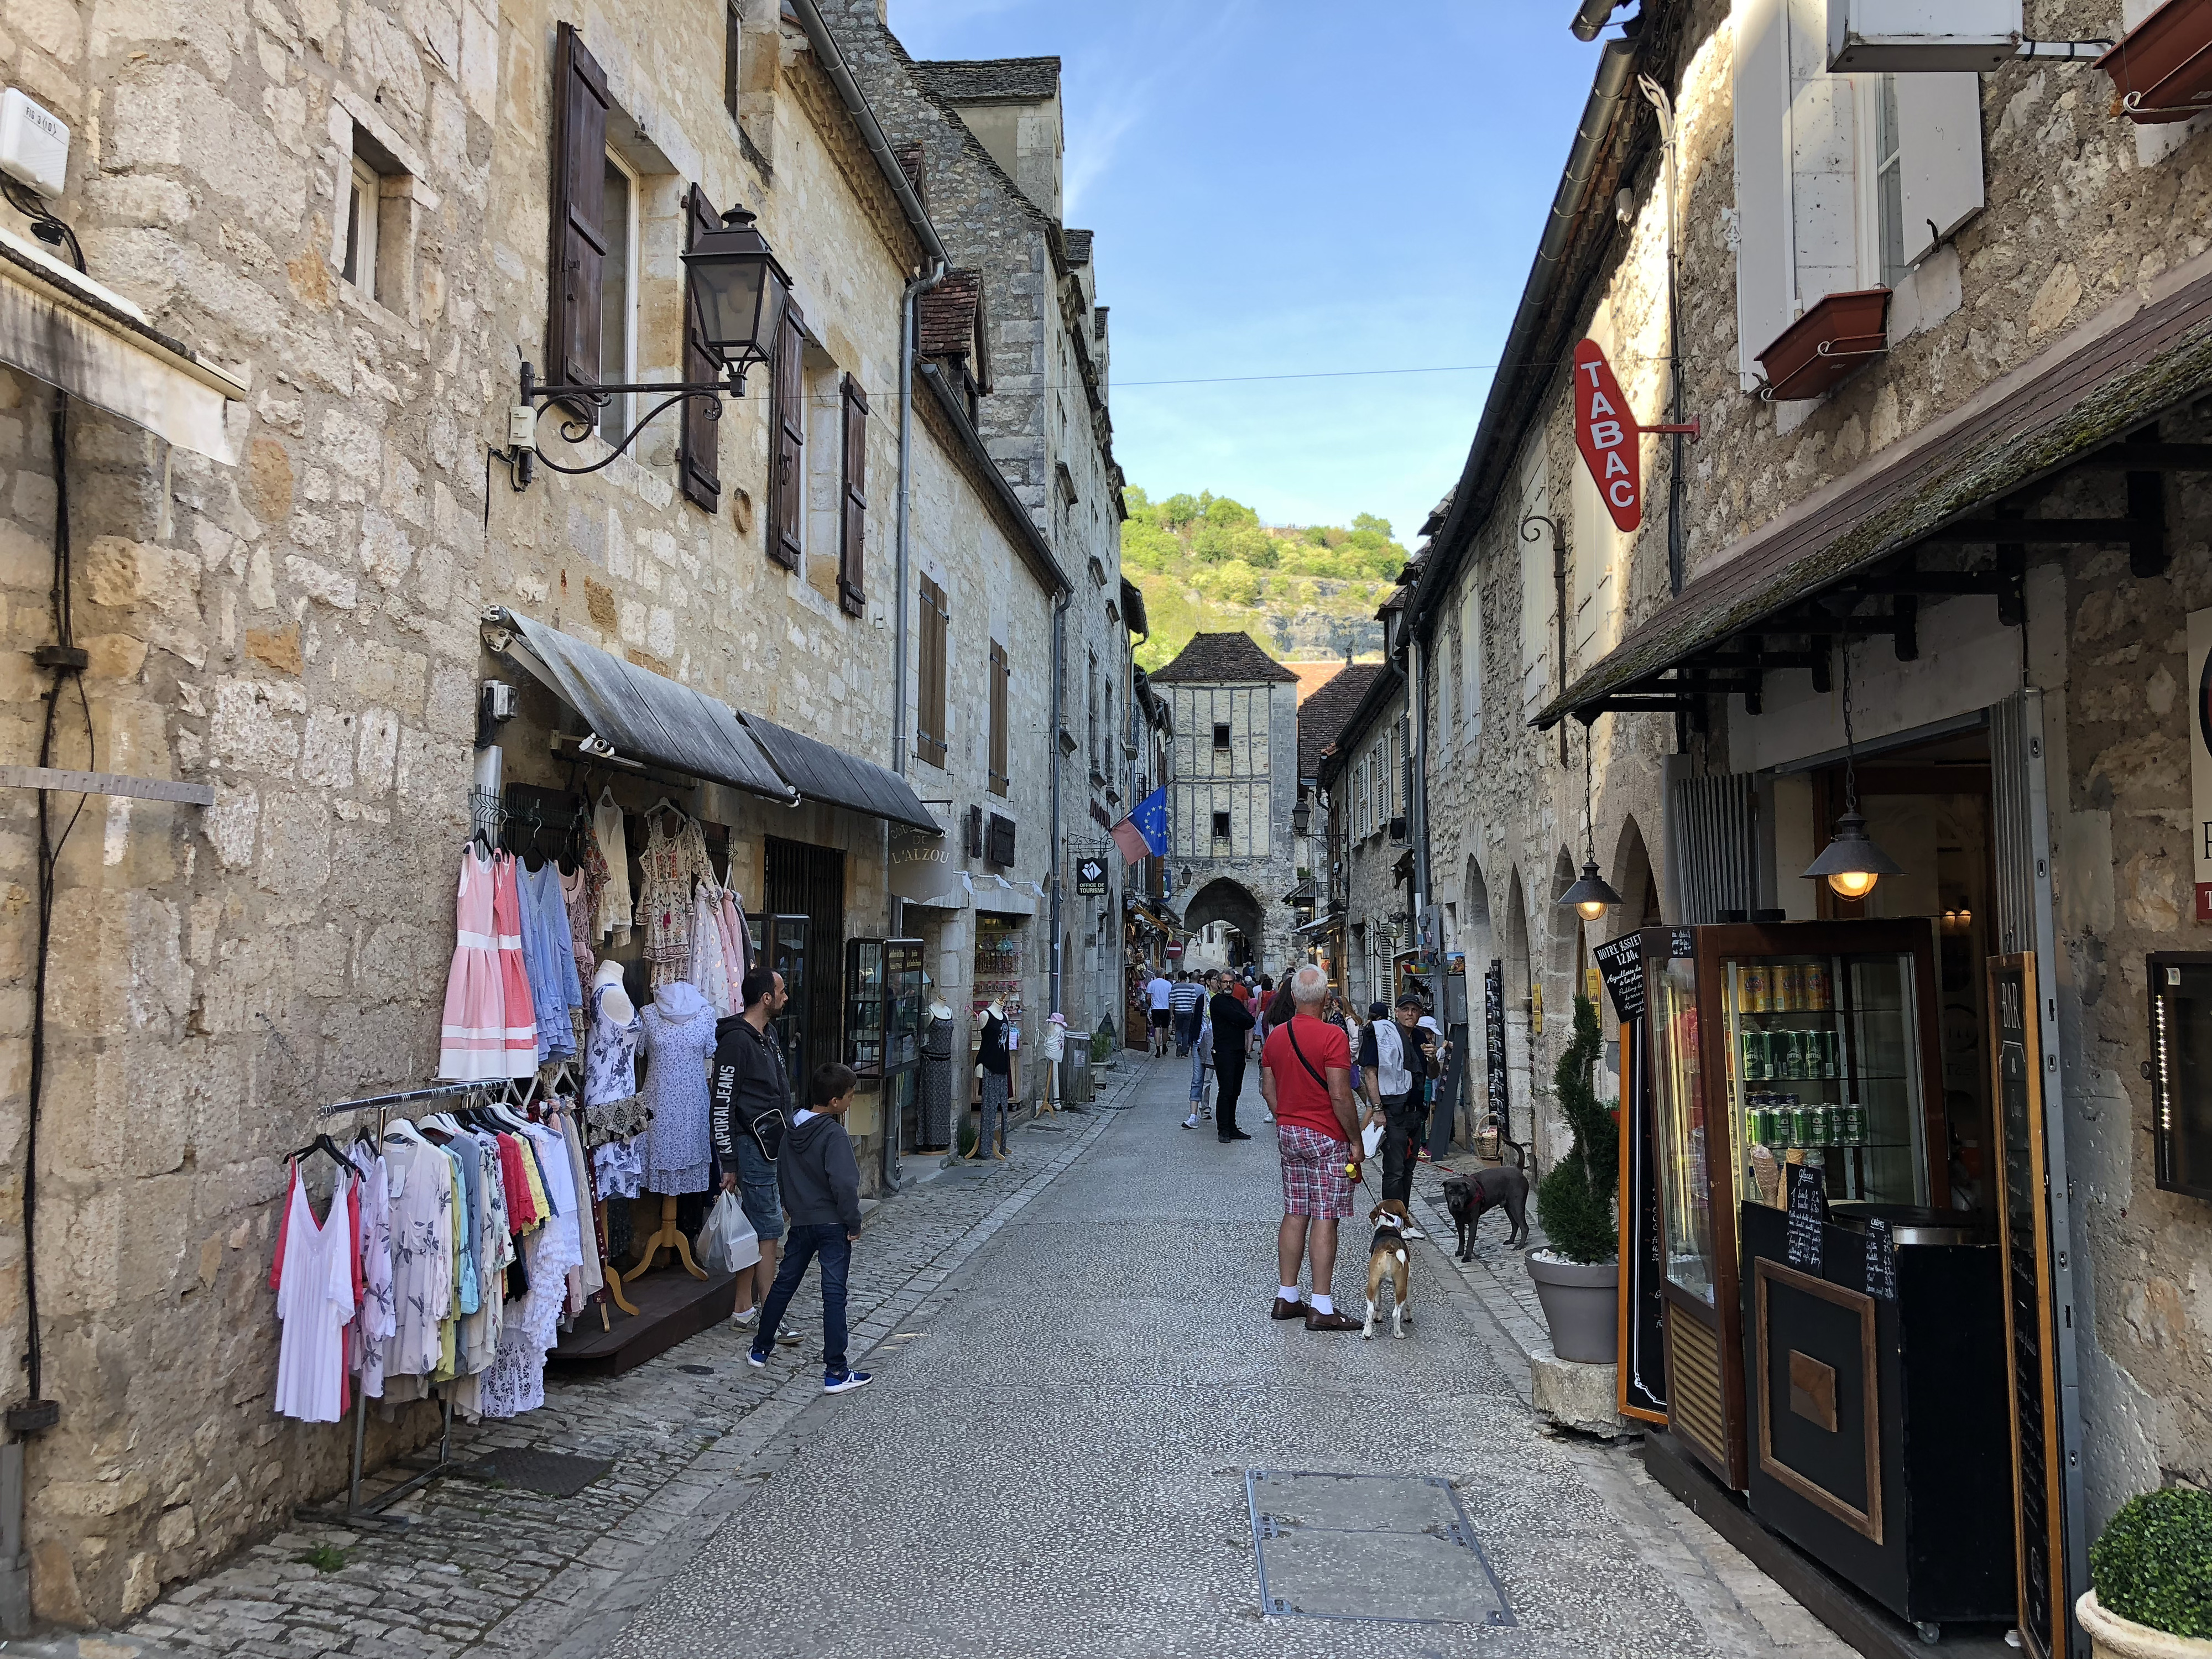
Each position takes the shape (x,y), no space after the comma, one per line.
(357,1513)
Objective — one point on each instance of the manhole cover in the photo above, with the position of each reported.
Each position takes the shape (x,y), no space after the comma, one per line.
(555,1473)
(1393,1547)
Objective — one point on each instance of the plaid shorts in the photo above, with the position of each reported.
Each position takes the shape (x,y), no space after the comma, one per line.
(1314,1182)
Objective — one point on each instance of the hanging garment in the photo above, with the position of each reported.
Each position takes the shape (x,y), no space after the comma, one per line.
(314,1300)
(673,862)
(423,1261)
(612,915)
(472,1038)
(609,1053)
(494,1251)
(515,1380)
(936,1126)
(679,1041)
(519,1044)
(580,893)
(710,970)
(618,1168)
(737,947)
(586,1278)
(373,1322)
(549,956)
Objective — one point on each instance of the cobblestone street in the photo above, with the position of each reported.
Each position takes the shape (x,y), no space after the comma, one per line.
(1072,1378)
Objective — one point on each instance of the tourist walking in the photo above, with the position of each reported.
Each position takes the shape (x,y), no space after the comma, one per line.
(1201,1061)
(1158,994)
(820,1180)
(1396,1058)
(1183,1001)
(1232,1026)
(1305,1076)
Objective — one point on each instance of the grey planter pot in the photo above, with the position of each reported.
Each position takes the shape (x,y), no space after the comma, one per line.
(1580,1306)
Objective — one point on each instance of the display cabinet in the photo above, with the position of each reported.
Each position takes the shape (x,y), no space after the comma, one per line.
(1771,1045)
(883,1006)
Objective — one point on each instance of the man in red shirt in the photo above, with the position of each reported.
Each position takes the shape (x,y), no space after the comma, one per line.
(1305,1076)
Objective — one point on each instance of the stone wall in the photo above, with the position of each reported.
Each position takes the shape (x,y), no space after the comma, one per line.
(302,632)
(1255,782)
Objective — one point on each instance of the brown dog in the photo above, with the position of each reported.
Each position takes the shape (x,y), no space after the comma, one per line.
(1387,1258)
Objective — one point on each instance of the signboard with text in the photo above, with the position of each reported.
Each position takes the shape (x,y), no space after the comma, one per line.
(1608,435)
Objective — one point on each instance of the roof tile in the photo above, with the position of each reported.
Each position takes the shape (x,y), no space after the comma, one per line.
(1221,659)
(1322,715)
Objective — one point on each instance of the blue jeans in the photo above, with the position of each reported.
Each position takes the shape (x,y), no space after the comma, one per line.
(801,1247)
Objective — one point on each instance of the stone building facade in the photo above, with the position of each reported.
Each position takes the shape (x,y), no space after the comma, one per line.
(298,622)
(991,141)
(1232,782)
(1366,777)
(2051,245)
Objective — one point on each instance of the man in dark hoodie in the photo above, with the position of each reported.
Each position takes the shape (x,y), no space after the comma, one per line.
(751,1106)
(821,1184)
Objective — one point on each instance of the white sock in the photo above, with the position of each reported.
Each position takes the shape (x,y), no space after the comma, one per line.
(1323,1304)
(1288,1292)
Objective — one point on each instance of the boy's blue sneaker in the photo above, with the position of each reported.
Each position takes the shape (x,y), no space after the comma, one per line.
(845,1382)
(756,1359)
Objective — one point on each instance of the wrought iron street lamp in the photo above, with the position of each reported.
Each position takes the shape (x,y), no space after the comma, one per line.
(1592,896)
(736,294)
(1851,862)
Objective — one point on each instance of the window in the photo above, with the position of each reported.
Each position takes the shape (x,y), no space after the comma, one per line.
(1000,779)
(1221,826)
(1090,698)
(617,293)
(934,622)
(363,200)
(1843,182)
(1470,659)
(733,56)
(1221,734)
(853,500)
(698,461)
(1539,589)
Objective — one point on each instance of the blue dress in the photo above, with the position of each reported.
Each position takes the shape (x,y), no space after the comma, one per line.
(549,956)
(677,1039)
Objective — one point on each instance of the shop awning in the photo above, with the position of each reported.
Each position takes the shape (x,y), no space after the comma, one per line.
(644,715)
(1003,897)
(2084,401)
(820,773)
(1153,916)
(1319,925)
(60,326)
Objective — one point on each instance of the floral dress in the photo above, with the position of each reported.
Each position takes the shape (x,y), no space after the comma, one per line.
(424,1265)
(680,1039)
(672,863)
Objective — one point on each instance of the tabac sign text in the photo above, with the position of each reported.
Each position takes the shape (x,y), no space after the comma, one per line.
(1607,433)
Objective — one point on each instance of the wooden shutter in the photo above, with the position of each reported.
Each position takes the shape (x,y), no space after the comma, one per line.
(929,714)
(1766,241)
(698,462)
(1939,157)
(1001,778)
(787,478)
(580,241)
(852,502)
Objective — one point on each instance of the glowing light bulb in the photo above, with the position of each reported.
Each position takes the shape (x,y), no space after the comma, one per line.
(1591,909)
(1852,883)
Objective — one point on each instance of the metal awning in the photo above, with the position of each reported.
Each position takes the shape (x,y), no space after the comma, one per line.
(1319,925)
(643,716)
(2091,400)
(58,326)
(820,773)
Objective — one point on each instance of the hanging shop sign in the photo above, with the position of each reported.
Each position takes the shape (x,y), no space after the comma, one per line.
(1494,1032)
(1620,965)
(1090,877)
(1607,435)
(2200,755)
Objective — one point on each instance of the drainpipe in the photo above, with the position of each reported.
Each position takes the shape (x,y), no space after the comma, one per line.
(1418,803)
(1052,736)
(914,290)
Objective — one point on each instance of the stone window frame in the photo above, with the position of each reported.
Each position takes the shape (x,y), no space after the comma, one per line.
(358,134)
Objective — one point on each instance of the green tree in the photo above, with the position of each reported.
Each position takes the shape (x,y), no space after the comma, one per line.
(1574,1201)
(1177,511)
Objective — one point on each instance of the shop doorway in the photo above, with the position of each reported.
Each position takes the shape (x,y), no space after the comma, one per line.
(805,898)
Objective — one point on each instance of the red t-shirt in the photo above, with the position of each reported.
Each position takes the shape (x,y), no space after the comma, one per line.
(1299,1098)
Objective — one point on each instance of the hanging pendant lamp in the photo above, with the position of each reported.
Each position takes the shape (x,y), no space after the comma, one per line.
(1592,896)
(1851,863)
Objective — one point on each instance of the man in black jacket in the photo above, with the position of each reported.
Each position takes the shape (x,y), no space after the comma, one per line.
(1232,1023)
(751,1106)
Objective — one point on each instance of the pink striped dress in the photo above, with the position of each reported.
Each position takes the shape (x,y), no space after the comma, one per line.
(473,1041)
(521,1029)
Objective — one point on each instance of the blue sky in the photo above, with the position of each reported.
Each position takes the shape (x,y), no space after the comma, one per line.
(1282,186)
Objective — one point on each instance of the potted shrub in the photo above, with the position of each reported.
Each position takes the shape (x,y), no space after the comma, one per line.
(2151,1579)
(1578,1276)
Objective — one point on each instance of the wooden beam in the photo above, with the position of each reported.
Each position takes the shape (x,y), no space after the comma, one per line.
(106,783)
(2148,556)
(2047,532)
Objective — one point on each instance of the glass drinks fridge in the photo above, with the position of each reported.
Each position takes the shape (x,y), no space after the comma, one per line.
(1772,1044)
(883,1019)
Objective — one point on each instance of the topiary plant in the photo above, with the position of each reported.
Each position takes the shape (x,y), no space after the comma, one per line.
(1574,1202)
(2153,1563)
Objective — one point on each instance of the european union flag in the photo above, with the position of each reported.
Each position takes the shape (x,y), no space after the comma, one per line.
(1145,830)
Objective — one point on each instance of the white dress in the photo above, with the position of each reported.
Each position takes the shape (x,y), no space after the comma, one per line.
(613,917)
(514,1383)
(314,1300)
(423,1266)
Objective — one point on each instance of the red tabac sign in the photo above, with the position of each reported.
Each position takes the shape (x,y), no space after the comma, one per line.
(1607,433)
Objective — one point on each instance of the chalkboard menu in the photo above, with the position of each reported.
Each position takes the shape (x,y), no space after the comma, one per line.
(1880,1261)
(1620,964)
(2024,1230)
(1808,1216)
(1493,1025)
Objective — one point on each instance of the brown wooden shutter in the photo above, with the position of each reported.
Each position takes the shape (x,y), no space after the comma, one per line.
(580,241)
(787,478)
(929,714)
(853,525)
(1000,777)
(698,461)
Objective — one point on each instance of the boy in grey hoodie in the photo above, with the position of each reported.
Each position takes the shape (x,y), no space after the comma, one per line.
(820,1182)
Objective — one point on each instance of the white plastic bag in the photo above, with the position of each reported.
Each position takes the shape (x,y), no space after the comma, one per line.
(1370,1138)
(727,1244)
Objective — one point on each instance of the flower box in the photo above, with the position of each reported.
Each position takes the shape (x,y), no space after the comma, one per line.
(2162,70)
(1829,343)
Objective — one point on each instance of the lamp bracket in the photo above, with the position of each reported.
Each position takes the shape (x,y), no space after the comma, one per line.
(537,400)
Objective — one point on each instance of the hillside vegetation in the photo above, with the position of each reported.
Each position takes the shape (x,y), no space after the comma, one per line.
(1205,563)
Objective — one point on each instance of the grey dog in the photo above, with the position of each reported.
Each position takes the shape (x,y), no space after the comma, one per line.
(1468,1196)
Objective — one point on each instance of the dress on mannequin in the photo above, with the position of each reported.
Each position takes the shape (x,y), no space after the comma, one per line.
(936,1128)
